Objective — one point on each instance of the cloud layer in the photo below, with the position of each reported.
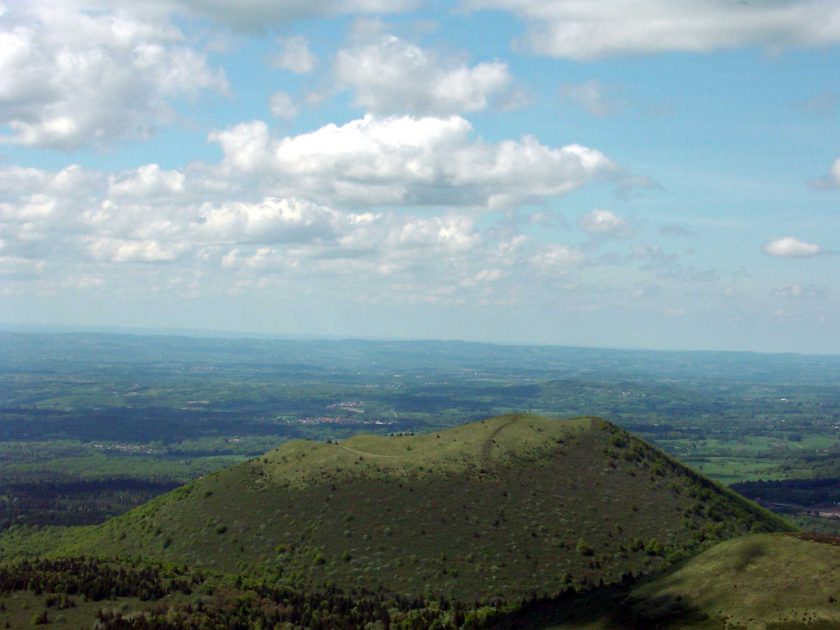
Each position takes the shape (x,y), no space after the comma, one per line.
(591,29)
(262,14)
(395,197)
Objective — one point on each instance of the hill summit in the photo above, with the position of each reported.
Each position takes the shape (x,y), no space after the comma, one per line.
(502,508)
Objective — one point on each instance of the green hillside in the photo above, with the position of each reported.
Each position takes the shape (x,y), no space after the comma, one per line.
(501,508)
(760,581)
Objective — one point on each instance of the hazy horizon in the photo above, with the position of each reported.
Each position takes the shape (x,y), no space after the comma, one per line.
(253,335)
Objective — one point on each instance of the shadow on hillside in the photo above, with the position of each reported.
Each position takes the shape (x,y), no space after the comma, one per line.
(609,607)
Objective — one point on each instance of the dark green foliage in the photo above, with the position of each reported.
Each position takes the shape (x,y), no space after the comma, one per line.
(792,494)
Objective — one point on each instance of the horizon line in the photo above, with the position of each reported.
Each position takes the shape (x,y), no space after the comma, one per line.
(244,335)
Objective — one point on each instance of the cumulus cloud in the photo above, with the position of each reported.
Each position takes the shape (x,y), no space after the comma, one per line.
(603,223)
(69,77)
(790,247)
(593,29)
(591,96)
(391,75)
(829,181)
(409,161)
(294,55)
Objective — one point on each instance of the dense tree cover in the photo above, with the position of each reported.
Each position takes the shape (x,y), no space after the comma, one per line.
(179,599)
(93,579)
(797,493)
(229,602)
(74,501)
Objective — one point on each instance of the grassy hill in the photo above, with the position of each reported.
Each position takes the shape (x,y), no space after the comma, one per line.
(502,508)
(758,581)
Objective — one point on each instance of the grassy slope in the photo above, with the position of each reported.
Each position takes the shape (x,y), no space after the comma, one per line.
(763,580)
(499,508)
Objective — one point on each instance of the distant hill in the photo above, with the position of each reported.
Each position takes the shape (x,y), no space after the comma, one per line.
(506,507)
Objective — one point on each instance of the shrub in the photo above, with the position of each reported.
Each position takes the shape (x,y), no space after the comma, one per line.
(653,548)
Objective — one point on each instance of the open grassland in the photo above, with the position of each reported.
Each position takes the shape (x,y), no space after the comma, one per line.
(758,581)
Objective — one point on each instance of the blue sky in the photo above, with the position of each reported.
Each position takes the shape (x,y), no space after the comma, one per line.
(647,174)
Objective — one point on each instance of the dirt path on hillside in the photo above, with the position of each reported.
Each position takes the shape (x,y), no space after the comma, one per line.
(487,447)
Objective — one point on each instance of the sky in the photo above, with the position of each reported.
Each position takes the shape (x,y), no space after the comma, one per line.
(659,174)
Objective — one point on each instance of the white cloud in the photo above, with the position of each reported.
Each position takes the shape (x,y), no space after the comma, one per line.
(591,96)
(829,181)
(149,215)
(294,55)
(17,268)
(269,221)
(261,14)
(452,234)
(409,161)
(393,76)
(557,258)
(282,105)
(246,146)
(797,291)
(133,251)
(151,229)
(791,248)
(146,182)
(590,29)
(70,77)
(249,15)
(604,223)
